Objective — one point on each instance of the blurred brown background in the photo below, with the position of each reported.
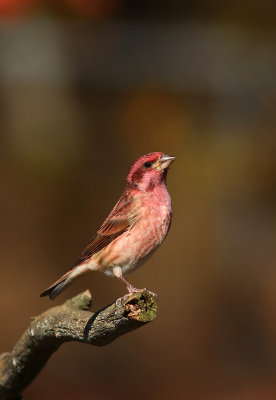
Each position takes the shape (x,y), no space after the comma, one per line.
(87,86)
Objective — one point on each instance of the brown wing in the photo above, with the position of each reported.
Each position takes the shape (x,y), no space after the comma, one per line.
(123,216)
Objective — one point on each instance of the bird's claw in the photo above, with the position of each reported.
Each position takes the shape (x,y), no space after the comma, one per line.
(151,293)
(121,300)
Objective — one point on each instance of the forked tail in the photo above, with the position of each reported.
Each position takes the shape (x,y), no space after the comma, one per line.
(66,280)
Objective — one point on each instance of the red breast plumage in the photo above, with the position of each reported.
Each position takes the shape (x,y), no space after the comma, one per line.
(137,225)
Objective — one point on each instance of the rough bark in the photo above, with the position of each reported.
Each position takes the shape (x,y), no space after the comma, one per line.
(70,321)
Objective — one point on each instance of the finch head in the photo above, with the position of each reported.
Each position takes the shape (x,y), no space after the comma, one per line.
(149,171)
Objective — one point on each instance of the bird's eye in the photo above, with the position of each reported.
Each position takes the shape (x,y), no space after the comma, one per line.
(148,164)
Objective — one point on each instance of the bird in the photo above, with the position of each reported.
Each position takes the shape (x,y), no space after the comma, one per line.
(134,229)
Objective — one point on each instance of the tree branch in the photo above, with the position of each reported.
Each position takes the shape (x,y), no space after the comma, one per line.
(68,322)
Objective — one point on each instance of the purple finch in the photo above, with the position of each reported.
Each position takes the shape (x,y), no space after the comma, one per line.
(136,226)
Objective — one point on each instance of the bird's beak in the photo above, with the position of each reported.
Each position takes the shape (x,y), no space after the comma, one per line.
(164,162)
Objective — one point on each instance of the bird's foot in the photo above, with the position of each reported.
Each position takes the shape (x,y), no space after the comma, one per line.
(151,293)
(133,290)
(127,296)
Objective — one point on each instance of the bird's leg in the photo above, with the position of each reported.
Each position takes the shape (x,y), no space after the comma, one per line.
(117,271)
(130,288)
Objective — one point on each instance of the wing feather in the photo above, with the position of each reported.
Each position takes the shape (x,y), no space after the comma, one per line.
(123,216)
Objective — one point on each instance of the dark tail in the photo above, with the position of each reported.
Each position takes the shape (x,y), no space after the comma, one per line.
(66,280)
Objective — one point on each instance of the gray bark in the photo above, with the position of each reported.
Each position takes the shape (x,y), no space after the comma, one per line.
(70,321)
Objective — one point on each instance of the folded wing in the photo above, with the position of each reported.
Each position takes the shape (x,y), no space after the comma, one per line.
(123,217)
